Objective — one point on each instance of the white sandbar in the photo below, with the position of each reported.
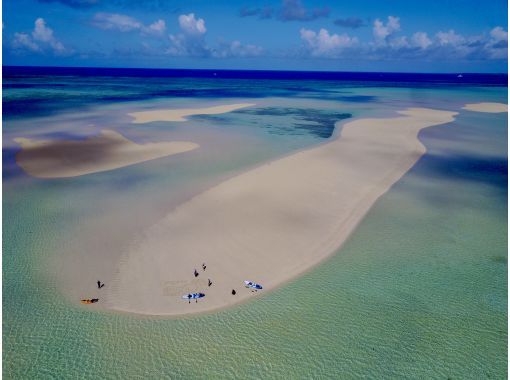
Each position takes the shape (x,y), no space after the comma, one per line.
(107,151)
(180,114)
(268,224)
(486,107)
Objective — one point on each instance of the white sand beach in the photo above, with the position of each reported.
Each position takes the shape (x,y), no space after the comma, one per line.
(180,114)
(107,151)
(269,224)
(486,107)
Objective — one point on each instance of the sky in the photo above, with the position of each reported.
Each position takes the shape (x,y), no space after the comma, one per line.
(355,35)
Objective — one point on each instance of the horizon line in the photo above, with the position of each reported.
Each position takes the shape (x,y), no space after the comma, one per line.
(257,70)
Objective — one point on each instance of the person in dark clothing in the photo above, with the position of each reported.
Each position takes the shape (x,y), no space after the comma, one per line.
(209,282)
(99,286)
(196,273)
(233,292)
(203,266)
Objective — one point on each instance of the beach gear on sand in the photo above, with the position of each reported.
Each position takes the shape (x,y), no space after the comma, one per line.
(89,301)
(251,284)
(193,296)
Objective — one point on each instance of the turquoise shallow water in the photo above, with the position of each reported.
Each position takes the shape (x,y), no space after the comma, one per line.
(418,291)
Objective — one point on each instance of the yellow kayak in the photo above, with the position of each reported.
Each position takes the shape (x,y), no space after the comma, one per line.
(87,301)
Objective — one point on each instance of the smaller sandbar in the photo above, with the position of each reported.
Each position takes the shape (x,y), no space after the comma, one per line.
(180,114)
(107,151)
(486,107)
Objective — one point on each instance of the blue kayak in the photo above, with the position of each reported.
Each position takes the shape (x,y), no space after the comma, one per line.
(193,296)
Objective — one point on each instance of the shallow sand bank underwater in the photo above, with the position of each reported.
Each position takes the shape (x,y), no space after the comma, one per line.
(180,114)
(268,224)
(110,150)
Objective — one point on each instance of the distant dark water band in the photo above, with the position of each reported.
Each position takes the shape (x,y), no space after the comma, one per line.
(394,78)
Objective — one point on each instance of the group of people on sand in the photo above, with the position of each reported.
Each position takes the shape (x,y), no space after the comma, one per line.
(203,268)
(196,296)
(100,285)
(209,283)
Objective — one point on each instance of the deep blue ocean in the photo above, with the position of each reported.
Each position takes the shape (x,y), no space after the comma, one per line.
(37,91)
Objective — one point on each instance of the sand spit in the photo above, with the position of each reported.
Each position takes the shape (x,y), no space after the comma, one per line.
(109,150)
(486,107)
(180,114)
(268,224)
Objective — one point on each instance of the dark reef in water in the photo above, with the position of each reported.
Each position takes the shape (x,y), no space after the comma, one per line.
(317,122)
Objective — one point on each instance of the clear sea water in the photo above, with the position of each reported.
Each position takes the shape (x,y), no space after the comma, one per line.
(418,291)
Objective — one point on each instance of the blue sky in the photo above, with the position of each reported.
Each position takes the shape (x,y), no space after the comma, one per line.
(361,35)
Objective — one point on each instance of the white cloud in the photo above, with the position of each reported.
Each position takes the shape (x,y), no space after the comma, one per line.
(42,32)
(24,41)
(115,21)
(323,44)
(399,43)
(41,39)
(383,31)
(385,37)
(157,27)
(449,38)
(388,44)
(191,26)
(421,40)
(124,23)
(499,34)
(191,41)
(182,45)
(45,35)
(497,46)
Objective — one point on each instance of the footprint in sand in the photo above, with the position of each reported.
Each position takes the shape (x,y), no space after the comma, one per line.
(180,287)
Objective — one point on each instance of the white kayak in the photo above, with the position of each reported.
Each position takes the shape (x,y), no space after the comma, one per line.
(251,284)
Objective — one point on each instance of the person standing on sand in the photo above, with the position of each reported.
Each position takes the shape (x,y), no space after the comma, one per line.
(204,266)
(209,282)
(196,273)
(99,284)
(233,292)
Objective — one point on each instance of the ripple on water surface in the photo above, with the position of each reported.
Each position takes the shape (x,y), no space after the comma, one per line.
(419,290)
